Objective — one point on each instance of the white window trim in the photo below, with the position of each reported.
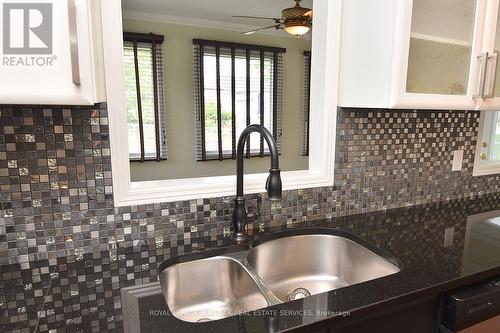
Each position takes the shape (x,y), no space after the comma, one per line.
(324,96)
(481,167)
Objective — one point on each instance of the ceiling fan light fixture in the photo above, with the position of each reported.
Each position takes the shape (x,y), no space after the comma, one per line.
(298,28)
(296,21)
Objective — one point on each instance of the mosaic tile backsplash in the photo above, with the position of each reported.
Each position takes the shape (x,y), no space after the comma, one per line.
(57,213)
(56,188)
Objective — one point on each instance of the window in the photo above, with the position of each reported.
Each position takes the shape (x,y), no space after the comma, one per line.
(491,136)
(143,66)
(235,85)
(487,159)
(307,103)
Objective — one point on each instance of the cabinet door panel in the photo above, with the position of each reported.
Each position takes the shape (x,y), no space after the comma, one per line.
(496,88)
(35,56)
(440,47)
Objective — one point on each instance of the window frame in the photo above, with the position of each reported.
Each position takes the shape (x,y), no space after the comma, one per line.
(201,48)
(482,167)
(324,100)
(156,42)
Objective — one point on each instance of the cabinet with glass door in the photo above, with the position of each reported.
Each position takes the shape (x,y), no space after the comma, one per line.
(420,54)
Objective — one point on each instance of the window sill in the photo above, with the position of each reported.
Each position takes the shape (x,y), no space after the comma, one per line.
(485,168)
(208,187)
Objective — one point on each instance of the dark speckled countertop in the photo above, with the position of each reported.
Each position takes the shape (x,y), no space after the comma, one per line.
(440,247)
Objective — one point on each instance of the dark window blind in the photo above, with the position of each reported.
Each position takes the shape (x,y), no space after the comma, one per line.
(144,90)
(235,85)
(307,103)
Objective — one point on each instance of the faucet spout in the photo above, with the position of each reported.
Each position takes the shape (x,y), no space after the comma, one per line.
(273,183)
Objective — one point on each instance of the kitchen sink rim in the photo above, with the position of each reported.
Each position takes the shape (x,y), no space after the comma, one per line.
(246,247)
(239,252)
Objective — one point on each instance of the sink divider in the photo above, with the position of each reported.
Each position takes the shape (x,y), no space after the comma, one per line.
(240,257)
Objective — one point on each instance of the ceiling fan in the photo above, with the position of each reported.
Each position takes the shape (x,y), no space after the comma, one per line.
(296,20)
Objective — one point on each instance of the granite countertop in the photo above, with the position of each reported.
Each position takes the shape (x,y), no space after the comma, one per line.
(440,247)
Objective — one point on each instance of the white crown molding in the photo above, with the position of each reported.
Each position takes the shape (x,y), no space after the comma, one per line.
(197,22)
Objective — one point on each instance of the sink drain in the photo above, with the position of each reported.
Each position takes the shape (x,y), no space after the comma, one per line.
(298,294)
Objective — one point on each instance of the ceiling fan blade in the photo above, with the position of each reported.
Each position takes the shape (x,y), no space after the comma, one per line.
(257,17)
(309,13)
(251,32)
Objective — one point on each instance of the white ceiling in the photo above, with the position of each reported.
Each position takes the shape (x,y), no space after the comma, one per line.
(214,10)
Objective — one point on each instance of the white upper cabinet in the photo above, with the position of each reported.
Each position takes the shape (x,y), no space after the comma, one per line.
(51,52)
(489,75)
(422,54)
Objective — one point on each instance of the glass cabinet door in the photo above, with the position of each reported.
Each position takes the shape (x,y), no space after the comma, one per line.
(440,46)
(496,82)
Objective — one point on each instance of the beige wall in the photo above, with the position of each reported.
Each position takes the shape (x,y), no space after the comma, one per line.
(179,92)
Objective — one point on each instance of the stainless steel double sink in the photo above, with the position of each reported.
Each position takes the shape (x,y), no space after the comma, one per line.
(284,267)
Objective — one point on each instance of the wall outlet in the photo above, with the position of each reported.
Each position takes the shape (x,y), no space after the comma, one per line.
(458,156)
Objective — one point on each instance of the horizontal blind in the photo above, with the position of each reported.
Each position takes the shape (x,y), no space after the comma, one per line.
(279,101)
(307,103)
(199,115)
(146,108)
(225,105)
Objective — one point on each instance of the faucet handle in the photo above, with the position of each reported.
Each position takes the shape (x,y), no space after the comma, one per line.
(256,215)
(259,203)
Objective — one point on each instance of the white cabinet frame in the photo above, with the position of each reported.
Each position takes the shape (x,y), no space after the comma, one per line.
(402,99)
(376,38)
(324,93)
(488,45)
(35,85)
